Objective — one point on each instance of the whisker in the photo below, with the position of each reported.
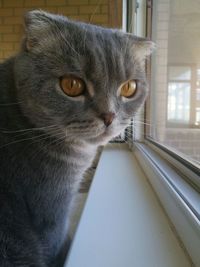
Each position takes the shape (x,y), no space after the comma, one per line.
(95,10)
(28,129)
(134,130)
(68,43)
(24,133)
(26,139)
(10,104)
(50,129)
(49,144)
(141,122)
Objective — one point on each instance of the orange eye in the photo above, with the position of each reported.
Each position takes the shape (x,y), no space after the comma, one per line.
(129,89)
(72,86)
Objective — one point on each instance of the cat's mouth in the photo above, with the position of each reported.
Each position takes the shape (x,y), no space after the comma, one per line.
(98,134)
(104,137)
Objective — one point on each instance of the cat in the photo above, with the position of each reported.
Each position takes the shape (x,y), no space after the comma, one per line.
(71,88)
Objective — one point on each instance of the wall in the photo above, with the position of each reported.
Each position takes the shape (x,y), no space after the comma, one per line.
(102,12)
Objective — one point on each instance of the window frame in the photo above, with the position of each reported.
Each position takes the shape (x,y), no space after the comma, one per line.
(187,168)
(173,192)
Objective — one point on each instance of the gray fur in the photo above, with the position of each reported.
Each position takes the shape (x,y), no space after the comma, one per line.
(47,139)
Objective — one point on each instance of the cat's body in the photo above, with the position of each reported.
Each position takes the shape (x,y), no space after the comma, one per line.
(47,139)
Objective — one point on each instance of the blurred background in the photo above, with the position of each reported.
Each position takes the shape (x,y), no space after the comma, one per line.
(101,12)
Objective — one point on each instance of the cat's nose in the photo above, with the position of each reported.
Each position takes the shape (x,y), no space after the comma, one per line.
(108,118)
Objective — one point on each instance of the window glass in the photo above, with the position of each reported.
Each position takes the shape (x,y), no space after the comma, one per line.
(179,73)
(198,94)
(175,77)
(178,102)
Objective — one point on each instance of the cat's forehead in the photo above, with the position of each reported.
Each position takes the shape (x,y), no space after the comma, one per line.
(99,53)
(94,37)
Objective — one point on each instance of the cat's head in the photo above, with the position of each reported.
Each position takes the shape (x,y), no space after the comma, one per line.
(86,80)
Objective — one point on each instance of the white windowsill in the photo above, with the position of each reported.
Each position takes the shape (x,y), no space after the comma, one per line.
(178,196)
(123,224)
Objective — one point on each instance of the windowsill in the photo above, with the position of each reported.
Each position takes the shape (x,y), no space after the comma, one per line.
(123,224)
(177,189)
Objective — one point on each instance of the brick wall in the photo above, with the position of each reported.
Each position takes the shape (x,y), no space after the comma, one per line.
(12,11)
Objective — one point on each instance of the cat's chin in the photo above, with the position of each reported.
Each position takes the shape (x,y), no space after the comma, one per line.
(101,139)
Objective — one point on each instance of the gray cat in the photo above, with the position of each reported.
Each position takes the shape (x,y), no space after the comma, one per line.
(72,87)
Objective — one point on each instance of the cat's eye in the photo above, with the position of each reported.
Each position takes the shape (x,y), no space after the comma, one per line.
(129,89)
(72,86)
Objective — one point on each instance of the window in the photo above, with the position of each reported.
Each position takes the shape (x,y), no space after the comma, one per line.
(170,151)
(175,78)
(179,88)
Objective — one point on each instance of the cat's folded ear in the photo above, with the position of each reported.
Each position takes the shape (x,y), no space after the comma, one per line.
(38,27)
(141,48)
